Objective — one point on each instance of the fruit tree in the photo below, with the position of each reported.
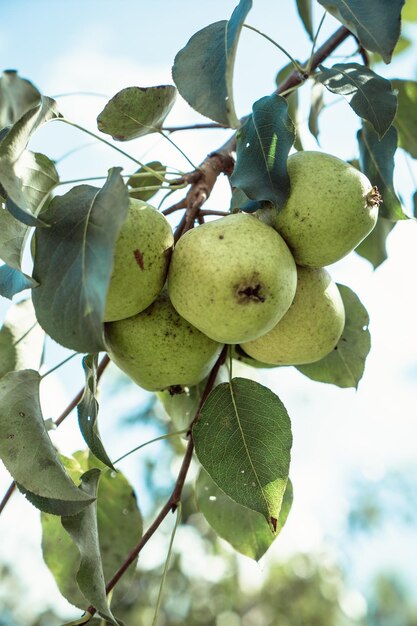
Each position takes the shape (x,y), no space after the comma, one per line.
(186,300)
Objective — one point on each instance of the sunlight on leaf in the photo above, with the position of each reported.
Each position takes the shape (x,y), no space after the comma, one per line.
(263,145)
(243,440)
(246,530)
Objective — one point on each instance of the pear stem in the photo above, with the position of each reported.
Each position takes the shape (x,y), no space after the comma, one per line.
(374,198)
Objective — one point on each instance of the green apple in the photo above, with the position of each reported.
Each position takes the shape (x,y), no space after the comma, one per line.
(232,278)
(332,207)
(310,329)
(158,349)
(141,260)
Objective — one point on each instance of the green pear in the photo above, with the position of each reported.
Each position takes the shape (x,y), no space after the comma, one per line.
(232,278)
(310,329)
(158,349)
(332,207)
(141,259)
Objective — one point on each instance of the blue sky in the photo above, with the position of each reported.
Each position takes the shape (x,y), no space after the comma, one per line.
(339,435)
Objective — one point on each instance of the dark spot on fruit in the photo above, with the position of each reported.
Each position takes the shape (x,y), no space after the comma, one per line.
(139,258)
(250,293)
(221,236)
(45,463)
(11,436)
(22,414)
(175,390)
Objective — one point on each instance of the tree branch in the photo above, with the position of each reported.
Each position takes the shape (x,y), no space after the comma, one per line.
(71,406)
(221,161)
(175,497)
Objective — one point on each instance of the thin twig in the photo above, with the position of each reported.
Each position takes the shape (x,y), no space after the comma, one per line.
(71,406)
(180,228)
(175,207)
(7,496)
(175,497)
(205,212)
(174,129)
(296,65)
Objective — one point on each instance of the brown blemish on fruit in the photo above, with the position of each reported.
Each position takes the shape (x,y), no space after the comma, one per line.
(175,390)
(250,291)
(374,198)
(139,258)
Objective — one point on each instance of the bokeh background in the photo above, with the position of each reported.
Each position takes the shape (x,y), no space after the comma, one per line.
(348,554)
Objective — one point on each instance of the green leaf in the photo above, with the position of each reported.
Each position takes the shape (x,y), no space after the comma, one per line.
(246,530)
(13,281)
(305,11)
(136,111)
(146,180)
(27,177)
(87,410)
(376,23)
(203,70)
(74,271)
(403,44)
(119,530)
(316,107)
(263,144)
(373,247)
(21,339)
(26,449)
(36,177)
(13,235)
(369,95)
(377,162)
(240,201)
(243,440)
(83,530)
(344,366)
(406,118)
(17,95)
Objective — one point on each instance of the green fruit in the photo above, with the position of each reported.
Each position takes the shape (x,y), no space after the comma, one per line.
(158,349)
(233,278)
(310,329)
(141,260)
(332,207)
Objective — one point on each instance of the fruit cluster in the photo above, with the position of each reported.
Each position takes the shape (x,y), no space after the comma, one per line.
(254,280)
